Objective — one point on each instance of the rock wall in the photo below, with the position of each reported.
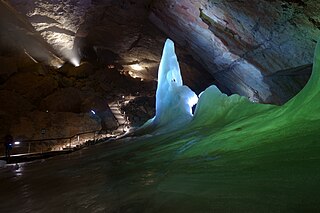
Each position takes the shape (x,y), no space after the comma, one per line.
(18,37)
(242,42)
(120,32)
(63,101)
(36,97)
(57,21)
(259,49)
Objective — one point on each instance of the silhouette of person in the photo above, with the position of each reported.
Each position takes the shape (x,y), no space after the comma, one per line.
(8,142)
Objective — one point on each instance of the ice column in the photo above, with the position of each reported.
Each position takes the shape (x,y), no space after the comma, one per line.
(174,101)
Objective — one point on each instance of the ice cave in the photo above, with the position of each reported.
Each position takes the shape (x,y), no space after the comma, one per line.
(159,106)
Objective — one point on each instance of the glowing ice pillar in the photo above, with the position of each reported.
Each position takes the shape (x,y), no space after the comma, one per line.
(174,101)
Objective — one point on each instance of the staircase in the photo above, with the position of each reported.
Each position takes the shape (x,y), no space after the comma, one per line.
(121,119)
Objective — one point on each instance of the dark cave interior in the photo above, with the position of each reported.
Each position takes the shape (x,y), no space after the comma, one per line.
(76,73)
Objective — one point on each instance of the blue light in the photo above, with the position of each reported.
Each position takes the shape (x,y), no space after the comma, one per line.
(93,112)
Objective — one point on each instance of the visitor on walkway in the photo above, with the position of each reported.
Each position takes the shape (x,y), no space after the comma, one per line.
(8,143)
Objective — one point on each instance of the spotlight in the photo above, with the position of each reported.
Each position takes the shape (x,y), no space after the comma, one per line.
(17,143)
(136,67)
(75,62)
(93,112)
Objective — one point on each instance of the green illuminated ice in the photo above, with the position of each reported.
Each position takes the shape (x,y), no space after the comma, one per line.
(232,156)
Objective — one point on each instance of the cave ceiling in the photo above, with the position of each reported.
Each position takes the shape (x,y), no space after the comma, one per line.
(248,47)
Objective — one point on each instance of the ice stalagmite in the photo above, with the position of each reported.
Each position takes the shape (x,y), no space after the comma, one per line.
(174,101)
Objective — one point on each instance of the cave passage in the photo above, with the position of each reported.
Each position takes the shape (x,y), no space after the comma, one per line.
(233,155)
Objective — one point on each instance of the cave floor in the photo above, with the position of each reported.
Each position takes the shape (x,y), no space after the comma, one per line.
(58,184)
(149,174)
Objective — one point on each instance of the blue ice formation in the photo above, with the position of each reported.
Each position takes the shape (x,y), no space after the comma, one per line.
(174,101)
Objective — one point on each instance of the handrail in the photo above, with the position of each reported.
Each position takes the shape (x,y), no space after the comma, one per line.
(71,144)
(25,146)
(52,139)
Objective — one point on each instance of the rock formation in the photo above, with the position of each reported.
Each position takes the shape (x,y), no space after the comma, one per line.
(18,35)
(243,43)
(259,49)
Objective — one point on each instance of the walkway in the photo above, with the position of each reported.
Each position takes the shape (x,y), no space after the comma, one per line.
(121,119)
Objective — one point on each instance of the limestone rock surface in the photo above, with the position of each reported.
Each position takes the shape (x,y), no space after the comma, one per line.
(241,42)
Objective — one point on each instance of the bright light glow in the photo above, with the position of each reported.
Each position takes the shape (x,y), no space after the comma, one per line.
(17,143)
(93,112)
(136,67)
(193,100)
(75,62)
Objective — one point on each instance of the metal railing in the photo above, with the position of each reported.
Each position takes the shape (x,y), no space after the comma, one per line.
(126,125)
(76,141)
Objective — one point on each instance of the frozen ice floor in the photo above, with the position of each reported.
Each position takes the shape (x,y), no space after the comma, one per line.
(76,182)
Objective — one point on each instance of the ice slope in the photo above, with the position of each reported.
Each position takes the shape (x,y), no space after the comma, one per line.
(233,156)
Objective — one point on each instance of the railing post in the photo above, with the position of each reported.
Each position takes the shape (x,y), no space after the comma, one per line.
(29,146)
